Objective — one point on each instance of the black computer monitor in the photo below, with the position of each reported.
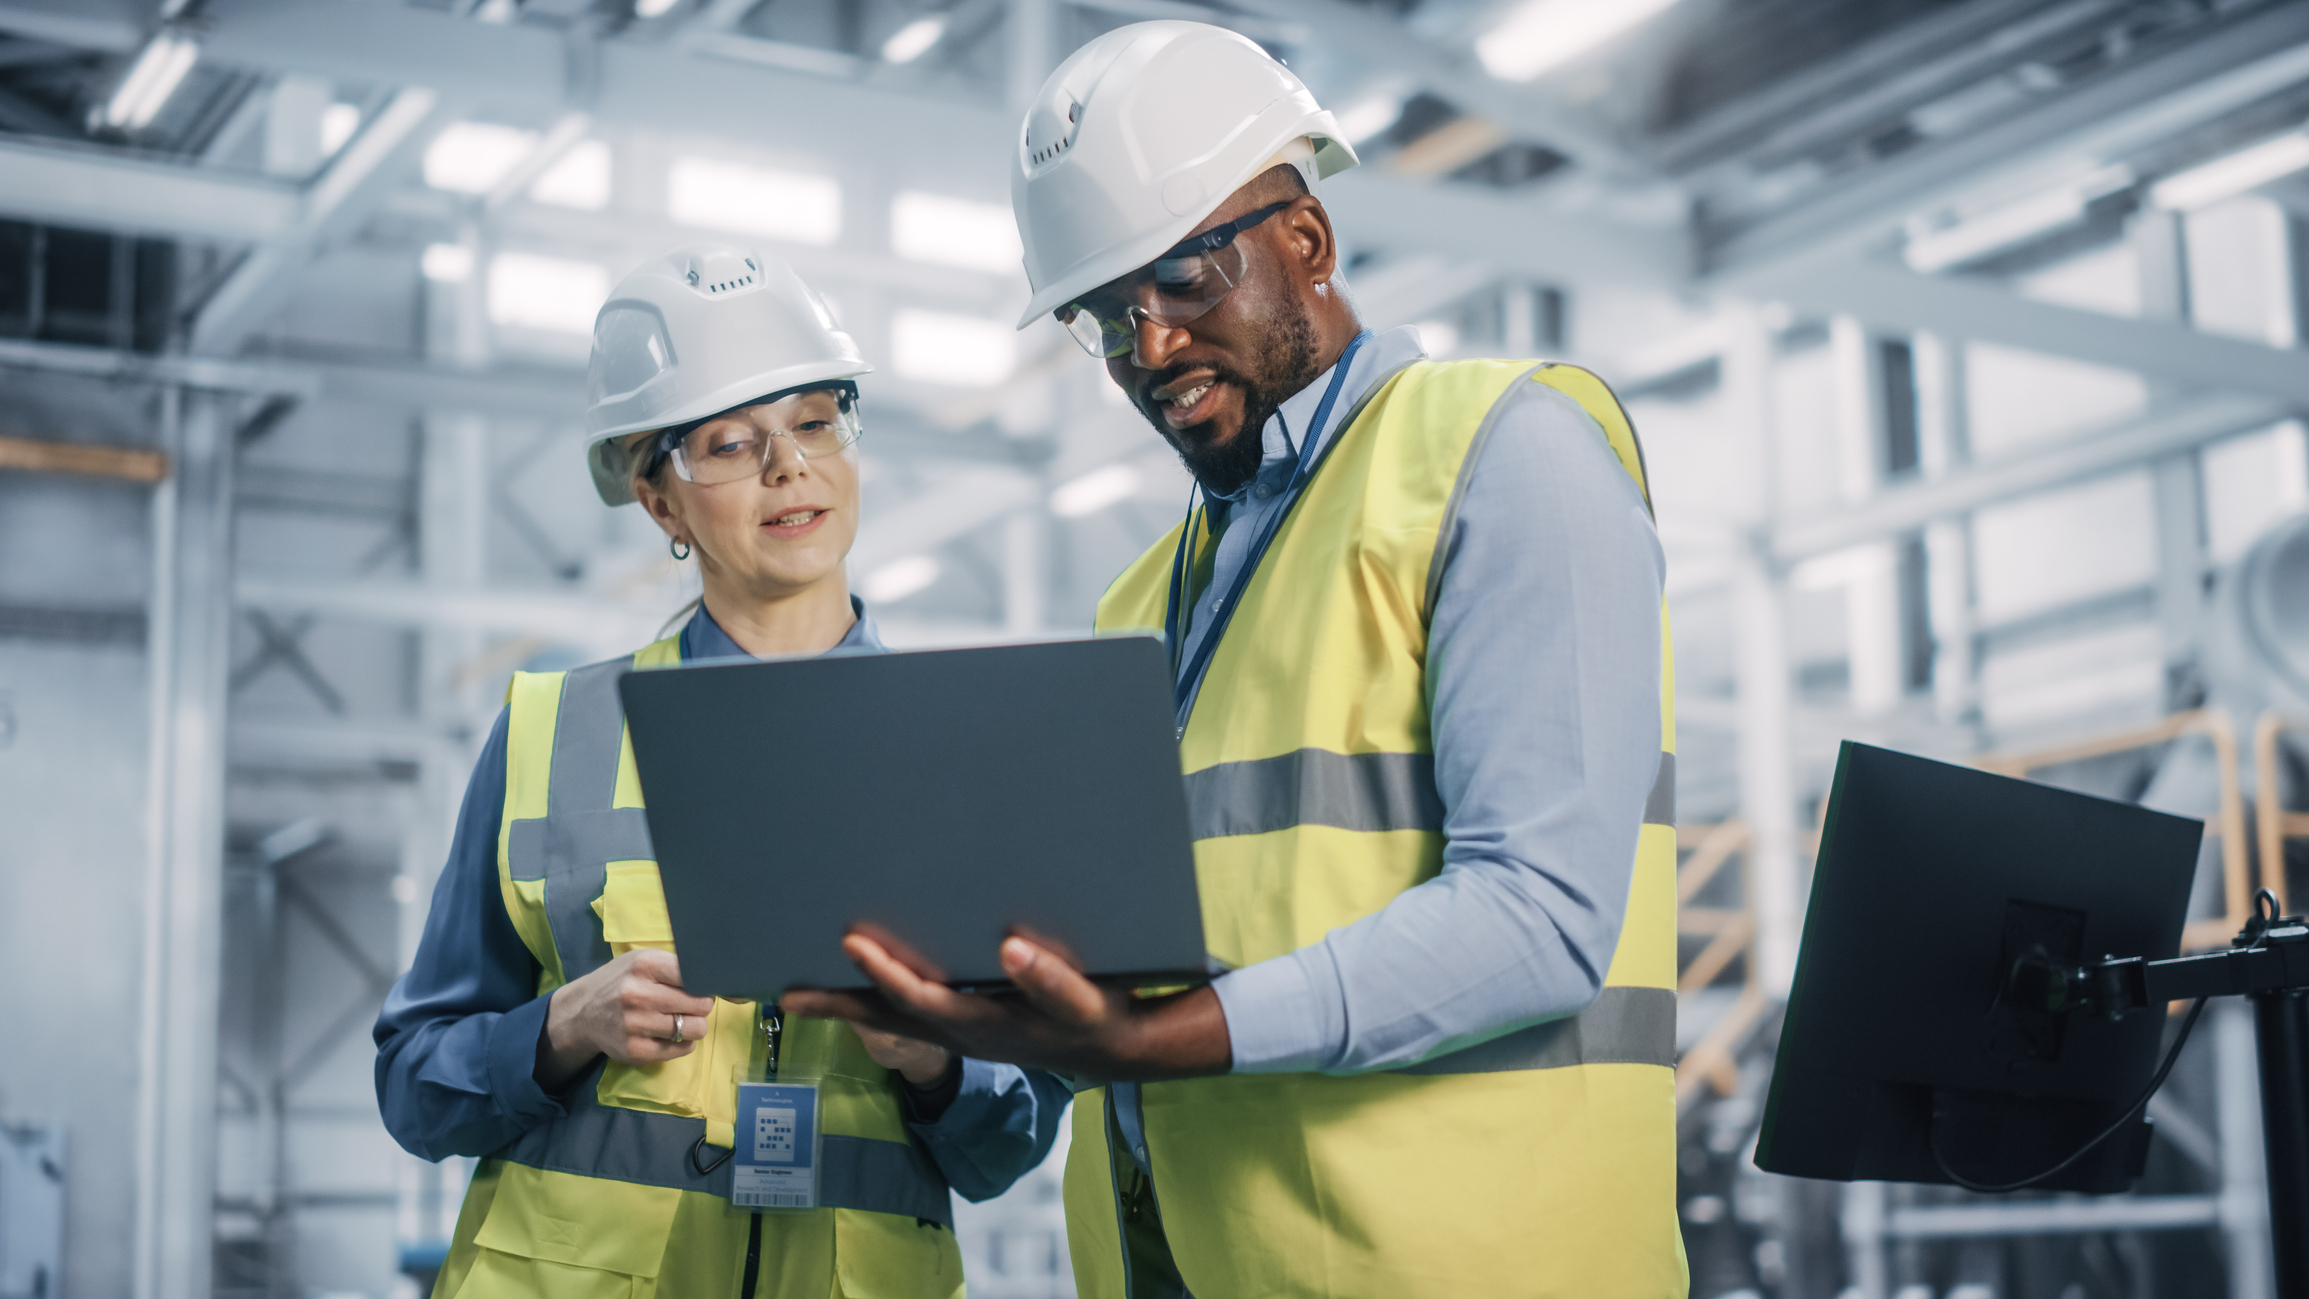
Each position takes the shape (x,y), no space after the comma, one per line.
(1900,1057)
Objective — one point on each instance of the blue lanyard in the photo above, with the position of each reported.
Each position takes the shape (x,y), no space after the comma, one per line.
(1187,683)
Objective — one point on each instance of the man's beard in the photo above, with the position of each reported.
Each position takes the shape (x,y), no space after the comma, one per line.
(1289,364)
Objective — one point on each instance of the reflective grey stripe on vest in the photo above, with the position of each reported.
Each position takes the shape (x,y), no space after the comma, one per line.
(1623,1026)
(1660,808)
(1352,791)
(596,1140)
(571,846)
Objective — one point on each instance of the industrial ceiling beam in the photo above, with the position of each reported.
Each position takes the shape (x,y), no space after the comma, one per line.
(1894,299)
(352,187)
(514,394)
(943,142)
(1377,40)
(1509,232)
(947,144)
(2067,136)
(84,186)
(2128,445)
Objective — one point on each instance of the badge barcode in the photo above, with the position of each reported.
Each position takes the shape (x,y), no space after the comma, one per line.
(769,1200)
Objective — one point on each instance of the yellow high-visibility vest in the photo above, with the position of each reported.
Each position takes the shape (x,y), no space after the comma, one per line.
(608,1199)
(1540,1163)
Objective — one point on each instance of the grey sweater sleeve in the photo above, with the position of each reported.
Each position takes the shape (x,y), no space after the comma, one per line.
(1543,678)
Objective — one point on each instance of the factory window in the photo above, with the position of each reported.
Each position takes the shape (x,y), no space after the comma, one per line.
(578,179)
(954,232)
(966,351)
(731,196)
(471,157)
(545,293)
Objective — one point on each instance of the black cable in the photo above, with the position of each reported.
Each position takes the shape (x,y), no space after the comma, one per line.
(2264,914)
(2188,1022)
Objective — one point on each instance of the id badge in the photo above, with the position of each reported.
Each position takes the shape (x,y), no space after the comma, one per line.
(775,1165)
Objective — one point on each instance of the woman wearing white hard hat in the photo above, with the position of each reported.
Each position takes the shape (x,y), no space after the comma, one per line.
(543,1025)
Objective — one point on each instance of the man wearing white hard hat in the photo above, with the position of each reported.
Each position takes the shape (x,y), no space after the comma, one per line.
(543,1025)
(1422,688)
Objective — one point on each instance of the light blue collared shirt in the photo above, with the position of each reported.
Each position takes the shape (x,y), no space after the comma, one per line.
(1543,675)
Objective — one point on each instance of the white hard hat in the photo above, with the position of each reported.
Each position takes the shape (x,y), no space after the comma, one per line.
(693,333)
(1139,136)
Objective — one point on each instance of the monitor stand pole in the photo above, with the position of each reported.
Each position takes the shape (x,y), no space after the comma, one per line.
(2281,1017)
(2268,963)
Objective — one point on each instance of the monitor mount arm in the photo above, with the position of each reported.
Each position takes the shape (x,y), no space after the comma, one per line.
(2268,962)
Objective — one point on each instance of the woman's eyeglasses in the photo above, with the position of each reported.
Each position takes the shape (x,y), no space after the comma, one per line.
(737,443)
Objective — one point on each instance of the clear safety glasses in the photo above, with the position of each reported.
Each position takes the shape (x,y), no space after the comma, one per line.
(1177,287)
(737,443)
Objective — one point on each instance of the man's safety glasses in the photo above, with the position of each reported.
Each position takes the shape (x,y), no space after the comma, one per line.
(737,443)
(1177,287)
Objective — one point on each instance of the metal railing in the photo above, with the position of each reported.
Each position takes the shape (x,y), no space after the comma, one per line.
(2274,821)
(2227,825)
(1713,1061)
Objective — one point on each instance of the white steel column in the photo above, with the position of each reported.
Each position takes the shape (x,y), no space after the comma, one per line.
(1944,444)
(189,641)
(1032,51)
(1025,568)
(2160,258)
(1872,581)
(1766,702)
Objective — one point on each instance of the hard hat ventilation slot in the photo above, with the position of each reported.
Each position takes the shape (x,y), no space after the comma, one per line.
(730,285)
(1051,128)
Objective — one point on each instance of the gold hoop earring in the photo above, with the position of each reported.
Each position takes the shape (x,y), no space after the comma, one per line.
(680,549)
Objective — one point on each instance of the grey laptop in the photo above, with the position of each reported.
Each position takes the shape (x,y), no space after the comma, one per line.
(938,800)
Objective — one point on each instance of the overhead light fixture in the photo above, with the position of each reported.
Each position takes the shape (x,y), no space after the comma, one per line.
(963,351)
(579,180)
(900,578)
(954,231)
(159,69)
(1546,34)
(653,8)
(1368,117)
(547,294)
(471,157)
(1933,250)
(447,263)
(2233,174)
(914,40)
(717,195)
(338,122)
(1095,491)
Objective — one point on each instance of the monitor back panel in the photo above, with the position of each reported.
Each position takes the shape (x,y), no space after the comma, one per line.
(939,799)
(1930,875)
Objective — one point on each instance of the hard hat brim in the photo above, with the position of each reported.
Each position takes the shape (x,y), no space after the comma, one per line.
(1332,155)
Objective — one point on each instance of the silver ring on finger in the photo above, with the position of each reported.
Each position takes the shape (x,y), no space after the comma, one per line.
(677,1028)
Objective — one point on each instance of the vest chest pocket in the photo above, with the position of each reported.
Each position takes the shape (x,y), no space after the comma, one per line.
(633,914)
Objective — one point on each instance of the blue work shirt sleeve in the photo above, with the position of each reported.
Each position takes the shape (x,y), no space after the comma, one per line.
(1543,678)
(457,1039)
(1000,1124)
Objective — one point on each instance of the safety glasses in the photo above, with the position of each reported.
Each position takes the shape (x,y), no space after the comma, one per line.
(1177,287)
(737,443)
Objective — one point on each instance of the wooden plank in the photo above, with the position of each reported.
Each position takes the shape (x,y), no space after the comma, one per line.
(132,464)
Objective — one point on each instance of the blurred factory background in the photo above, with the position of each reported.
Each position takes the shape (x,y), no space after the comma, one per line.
(1965,338)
